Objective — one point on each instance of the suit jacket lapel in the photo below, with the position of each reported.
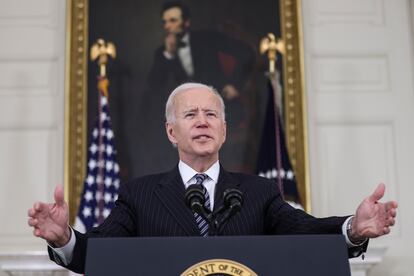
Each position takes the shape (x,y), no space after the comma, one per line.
(171,192)
(225,181)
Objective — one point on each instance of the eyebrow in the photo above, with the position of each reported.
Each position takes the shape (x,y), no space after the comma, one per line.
(207,110)
(193,109)
(210,110)
(172,18)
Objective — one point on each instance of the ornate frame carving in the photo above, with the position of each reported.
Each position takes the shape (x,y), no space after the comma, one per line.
(76,98)
(294,92)
(75,102)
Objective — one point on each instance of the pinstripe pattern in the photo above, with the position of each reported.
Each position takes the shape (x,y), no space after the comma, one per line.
(154,206)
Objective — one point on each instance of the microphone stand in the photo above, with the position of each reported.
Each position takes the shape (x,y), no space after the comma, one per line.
(233,200)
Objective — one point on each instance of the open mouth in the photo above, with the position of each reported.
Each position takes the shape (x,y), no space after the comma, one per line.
(202,137)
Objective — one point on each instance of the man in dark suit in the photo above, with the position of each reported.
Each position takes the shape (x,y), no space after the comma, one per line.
(205,56)
(154,205)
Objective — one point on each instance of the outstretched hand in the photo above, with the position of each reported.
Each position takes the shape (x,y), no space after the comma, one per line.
(50,220)
(373,218)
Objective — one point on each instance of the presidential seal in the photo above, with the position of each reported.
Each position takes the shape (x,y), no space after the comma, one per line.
(218,267)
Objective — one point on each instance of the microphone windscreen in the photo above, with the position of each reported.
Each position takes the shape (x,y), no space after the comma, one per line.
(194,197)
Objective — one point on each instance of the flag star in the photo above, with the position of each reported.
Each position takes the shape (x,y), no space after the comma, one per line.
(116,168)
(104,100)
(282,173)
(101,163)
(98,179)
(108,182)
(269,174)
(116,184)
(106,212)
(109,134)
(86,212)
(290,174)
(88,196)
(102,148)
(95,224)
(108,197)
(109,150)
(93,148)
(90,180)
(92,164)
(115,197)
(109,166)
(95,133)
(103,132)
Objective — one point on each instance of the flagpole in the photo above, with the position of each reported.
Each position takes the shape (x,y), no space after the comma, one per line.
(272,46)
(274,161)
(102,179)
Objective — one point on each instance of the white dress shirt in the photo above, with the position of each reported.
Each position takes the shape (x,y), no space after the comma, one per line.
(184,55)
(187,175)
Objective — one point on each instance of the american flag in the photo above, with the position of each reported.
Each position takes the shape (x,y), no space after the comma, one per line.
(273,161)
(102,181)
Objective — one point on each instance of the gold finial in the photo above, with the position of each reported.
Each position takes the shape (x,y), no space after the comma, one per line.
(101,50)
(271,45)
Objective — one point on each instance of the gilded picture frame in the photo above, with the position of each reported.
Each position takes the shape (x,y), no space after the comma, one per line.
(76,98)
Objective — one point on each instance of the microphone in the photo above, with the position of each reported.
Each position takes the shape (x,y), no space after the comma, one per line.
(194,197)
(233,201)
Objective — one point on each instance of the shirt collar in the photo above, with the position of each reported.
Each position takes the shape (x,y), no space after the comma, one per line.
(187,172)
(186,38)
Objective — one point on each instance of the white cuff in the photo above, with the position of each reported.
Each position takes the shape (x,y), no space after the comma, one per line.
(168,55)
(345,233)
(66,252)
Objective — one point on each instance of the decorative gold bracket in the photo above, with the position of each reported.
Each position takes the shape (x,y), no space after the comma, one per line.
(100,51)
(271,45)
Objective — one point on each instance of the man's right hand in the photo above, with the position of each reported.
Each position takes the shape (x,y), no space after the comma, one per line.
(50,220)
(171,44)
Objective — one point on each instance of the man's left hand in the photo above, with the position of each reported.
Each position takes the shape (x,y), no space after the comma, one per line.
(230,92)
(373,218)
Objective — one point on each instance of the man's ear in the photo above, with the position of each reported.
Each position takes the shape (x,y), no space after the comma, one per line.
(224,131)
(169,128)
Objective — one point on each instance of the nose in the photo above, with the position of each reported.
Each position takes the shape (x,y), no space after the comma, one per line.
(201,120)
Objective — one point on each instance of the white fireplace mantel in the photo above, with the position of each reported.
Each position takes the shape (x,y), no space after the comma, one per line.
(32,263)
(361,267)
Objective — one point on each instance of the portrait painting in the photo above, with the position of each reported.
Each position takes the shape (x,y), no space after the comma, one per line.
(214,42)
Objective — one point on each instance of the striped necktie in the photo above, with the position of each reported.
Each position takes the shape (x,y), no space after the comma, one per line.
(201,222)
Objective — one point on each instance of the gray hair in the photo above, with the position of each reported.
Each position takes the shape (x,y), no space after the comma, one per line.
(170,107)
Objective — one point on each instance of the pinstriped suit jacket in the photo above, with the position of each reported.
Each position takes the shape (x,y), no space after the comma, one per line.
(154,205)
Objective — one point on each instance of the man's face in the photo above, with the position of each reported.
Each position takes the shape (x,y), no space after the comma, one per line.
(199,129)
(173,21)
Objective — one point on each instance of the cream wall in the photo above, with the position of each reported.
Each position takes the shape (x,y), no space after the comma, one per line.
(32,51)
(359,77)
